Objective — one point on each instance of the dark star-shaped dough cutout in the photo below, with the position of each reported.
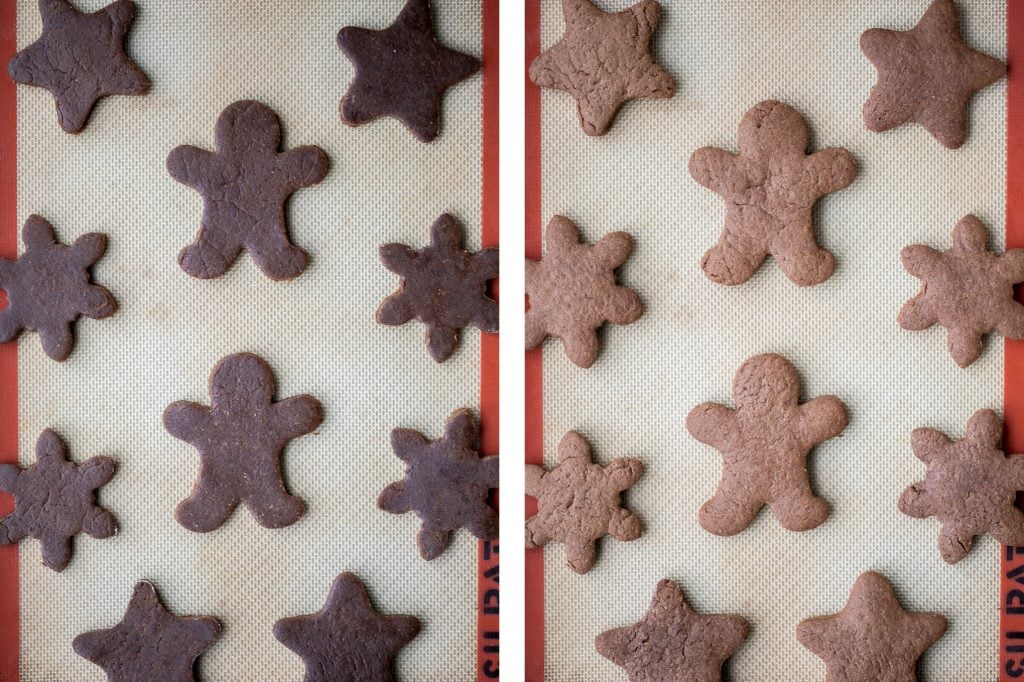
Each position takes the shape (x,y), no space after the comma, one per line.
(55,500)
(873,639)
(673,643)
(149,643)
(971,486)
(446,483)
(572,290)
(443,286)
(926,75)
(80,58)
(765,443)
(240,437)
(579,502)
(347,640)
(967,289)
(401,71)
(245,185)
(49,287)
(770,189)
(604,60)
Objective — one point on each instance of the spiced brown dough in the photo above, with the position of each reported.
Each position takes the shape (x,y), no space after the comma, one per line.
(673,643)
(80,58)
(347,640)
(765,443)
(873,639)
(604,60)
(149,643)
(926,75)
(55,499)
(401,71)
(770,189)
(240,438)
(245,185)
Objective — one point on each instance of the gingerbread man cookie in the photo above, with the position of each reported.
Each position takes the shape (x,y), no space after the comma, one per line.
(765,443)
(770,189)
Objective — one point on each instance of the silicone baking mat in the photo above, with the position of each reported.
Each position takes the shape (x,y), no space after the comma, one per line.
(841,335)
(316,331)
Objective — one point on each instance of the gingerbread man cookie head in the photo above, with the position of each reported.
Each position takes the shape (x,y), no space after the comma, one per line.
(260,127)
(765,383)
(760,132)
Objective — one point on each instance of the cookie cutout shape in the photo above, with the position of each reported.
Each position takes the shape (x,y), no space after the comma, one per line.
(604,60)
(401,71)
(240,438)
(49,287)
(770,189)
(446,483)
(245,185)
(443,286)
(80,58)
(765,443)
(149,643)
(967,289)
(572,290)
(971,486)
(578,502)
(873,639)
(926,75)
(55,500)
(347,640)
(673,643)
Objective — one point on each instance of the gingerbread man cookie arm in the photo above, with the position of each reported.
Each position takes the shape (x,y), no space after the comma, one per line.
(88,249)
(986,427)
(407,443)
(8,477)
(831,169)
(186,420)
(57,340)
(920,260)
(715,169)
(1011,265)
(712,424)
(925,443)
(581,347)
(964,345)
(191,166)
(821,419)
(393,499)
(96,471)
(915,502)
(297,416)
(534,480)
(304,166)
(624,472)
(917,314)
(970,235)
(955,542)
(615,644)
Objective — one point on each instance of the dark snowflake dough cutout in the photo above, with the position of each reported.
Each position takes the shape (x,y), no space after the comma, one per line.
(149,643)
(873,639)
(672,642)
(55,500)
(240,438)
(971,486)
(765,443)
(49,286)
(80,58)
(572,290)
(402,72)
(446,483)
(967,289)
(604,60)
(443,286)
(245,185)
(770,189)
(926,75)
(579,502)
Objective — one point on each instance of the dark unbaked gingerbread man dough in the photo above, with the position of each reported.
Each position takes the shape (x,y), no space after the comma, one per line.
(245,185)
(240,438)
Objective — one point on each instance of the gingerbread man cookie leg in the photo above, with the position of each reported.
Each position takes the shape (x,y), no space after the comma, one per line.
(798,508)
(731,509)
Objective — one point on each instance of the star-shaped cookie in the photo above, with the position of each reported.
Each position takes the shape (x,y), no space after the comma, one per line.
(873,639)
(604,60)
(49,287)
(572,290)
(347,640)
(240,438)
(765,443)
(446,483)
(770,189)
(967,289)
(245,185)
(401,71)
(55,499)
(443,286)
(971,486)
(80,58)
(149,643)
(926,75)
(673,643)
(579,502)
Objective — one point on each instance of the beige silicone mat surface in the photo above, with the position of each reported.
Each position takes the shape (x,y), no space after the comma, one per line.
(841,335)
(317,332)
